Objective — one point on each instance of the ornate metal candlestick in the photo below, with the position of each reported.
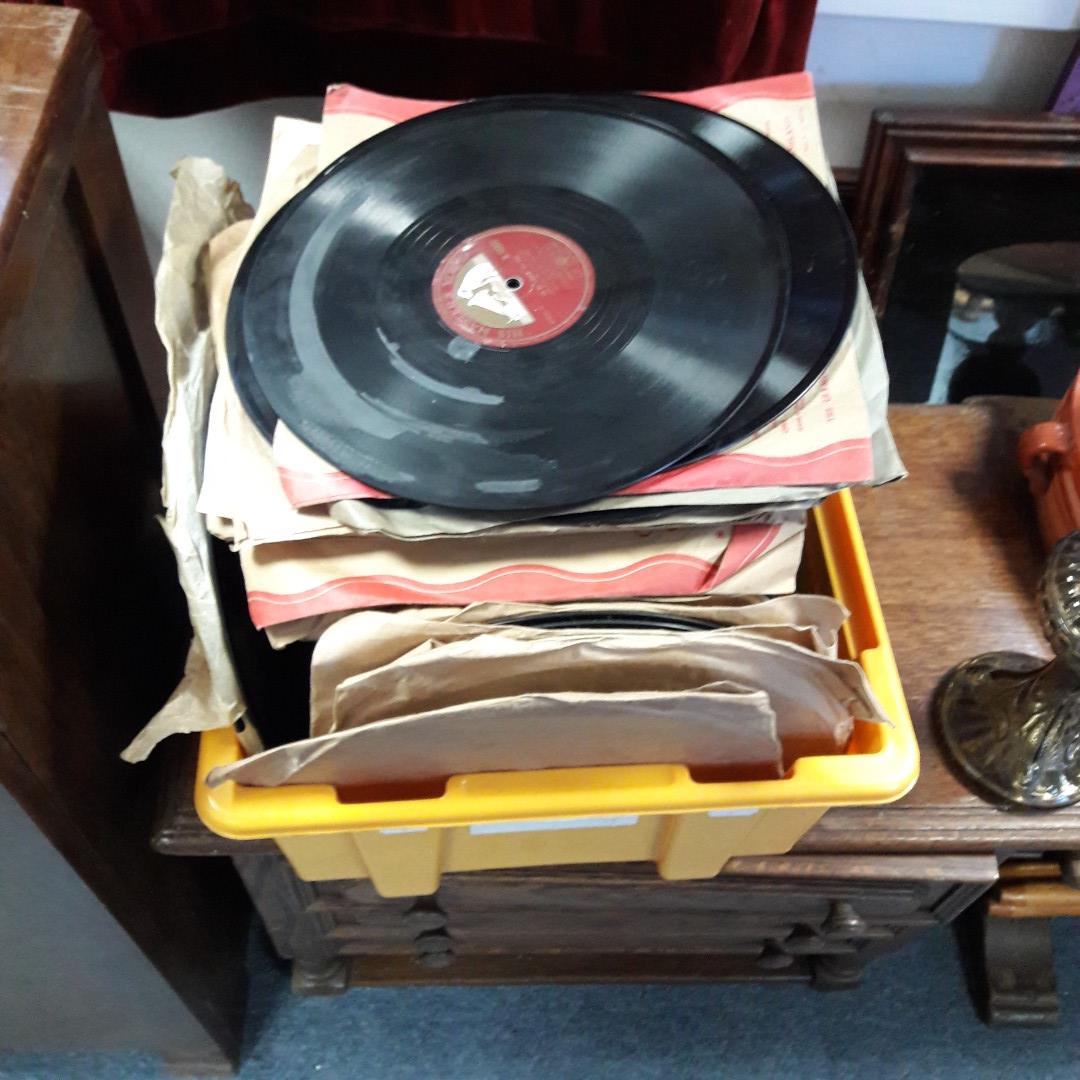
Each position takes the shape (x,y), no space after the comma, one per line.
(1012,721)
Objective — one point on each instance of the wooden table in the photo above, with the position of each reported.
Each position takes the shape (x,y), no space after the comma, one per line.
(956,558)
(93,627)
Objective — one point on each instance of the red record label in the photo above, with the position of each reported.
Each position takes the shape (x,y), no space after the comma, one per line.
(513,286)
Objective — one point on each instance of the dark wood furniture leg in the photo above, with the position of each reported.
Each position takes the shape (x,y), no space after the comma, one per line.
(1020,987)
(1016,983)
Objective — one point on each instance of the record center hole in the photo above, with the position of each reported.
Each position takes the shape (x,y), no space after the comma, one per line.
(513,283)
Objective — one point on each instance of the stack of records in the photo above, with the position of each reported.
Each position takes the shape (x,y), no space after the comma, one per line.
(531,349)
(537,351)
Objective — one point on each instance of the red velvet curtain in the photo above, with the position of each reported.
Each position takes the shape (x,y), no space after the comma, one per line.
(169,58)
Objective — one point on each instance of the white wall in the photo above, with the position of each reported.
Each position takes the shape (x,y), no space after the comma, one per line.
(860,63)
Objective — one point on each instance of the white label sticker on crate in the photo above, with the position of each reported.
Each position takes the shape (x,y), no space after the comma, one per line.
(403,829)
(553,825)
(742,812)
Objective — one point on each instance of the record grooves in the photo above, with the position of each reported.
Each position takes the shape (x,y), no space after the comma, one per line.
(824,264)
(525,303)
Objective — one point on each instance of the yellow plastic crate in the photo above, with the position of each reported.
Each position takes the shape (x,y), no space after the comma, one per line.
(488,821)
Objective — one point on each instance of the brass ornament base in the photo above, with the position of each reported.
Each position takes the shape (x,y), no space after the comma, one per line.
(1012,724)
(1011,721)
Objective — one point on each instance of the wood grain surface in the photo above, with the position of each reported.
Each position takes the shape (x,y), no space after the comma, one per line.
(956,557)
(1035,900)
(93,627)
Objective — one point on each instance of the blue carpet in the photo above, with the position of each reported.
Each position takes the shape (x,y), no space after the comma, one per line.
(911,1018)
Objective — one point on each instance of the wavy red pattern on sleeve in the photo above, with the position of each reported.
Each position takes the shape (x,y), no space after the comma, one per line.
(670,574)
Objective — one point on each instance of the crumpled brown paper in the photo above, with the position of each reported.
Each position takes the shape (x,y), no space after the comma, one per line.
(719,725)
(502,701)
(240,492)
(205,201)
(370,639)
(814,698)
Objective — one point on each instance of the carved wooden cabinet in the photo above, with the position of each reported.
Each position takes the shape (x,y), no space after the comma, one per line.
(798,918)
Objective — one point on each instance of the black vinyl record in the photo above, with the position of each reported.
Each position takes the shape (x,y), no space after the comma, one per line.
(530,302)
(821,255)
(513,303)
(607,620)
